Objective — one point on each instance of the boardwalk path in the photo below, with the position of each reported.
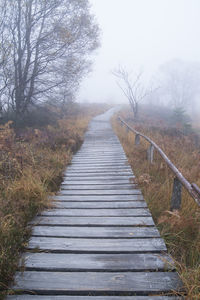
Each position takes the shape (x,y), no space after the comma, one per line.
(100,239)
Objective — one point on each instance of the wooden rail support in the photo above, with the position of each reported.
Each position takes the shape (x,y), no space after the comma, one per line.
(150,152)
(137,139)
(176,195)
(196,188)
(192,189)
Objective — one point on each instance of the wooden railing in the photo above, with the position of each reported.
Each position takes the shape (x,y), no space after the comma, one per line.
(179,179)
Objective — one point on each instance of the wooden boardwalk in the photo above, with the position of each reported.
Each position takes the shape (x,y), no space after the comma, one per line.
(99,240)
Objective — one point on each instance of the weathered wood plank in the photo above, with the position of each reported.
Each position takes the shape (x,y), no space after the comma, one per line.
(100,192)
(98,198)
(90,168)
(96,262)
(83,245)
(99,162)
(103,170)
(107,171)
(142,212)
(99,168)
(110,149)
(98,187)
(98,232)
(95,145)
(86,159)
(82,164)
(98,177)
(103,182)
(35,297)
(100,204)
(100,173)
(95,155)
(94,221)
(98,283)
(103,156)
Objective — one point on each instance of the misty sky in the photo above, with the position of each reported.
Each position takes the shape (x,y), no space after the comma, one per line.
(140,34)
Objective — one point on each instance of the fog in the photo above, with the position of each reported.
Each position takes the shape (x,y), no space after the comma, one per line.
(140,34)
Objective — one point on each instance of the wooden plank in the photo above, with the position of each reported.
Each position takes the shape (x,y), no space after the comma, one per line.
(94,167)
(35,297)
(99,161)
(98,232)
(97,212)
(101,157)
(98,187)
(108,149)
(95,145)
(100,174)
(100,205)
(94,221)
(74,168)
(107,171)
(97,177)
(104,156)
(96,262)
(86,159)
(95,182)
(96,282)
(83,245)
(91,149)
(102,153)
(108,146)
(96,164)
(97,198)
(100,192)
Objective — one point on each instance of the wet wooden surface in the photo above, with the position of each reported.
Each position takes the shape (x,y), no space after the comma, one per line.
(94,221)
(83,245)
(98,232)
(97,212)
(41,297)
(100,204)
(96,282)
(96,262)
(98,240)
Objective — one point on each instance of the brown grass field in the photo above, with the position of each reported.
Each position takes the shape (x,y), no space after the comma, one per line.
(180,229)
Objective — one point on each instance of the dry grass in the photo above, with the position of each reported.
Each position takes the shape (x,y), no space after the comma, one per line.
(180,229)
(31,167)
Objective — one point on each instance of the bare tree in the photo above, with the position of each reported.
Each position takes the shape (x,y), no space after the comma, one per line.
(71,73)
(133,89)
(43,36)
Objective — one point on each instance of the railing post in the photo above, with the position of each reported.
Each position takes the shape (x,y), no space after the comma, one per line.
(150,153)
(137,139)
(176,195)
(127,129)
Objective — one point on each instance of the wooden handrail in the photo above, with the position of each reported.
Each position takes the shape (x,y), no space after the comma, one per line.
(192,189)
